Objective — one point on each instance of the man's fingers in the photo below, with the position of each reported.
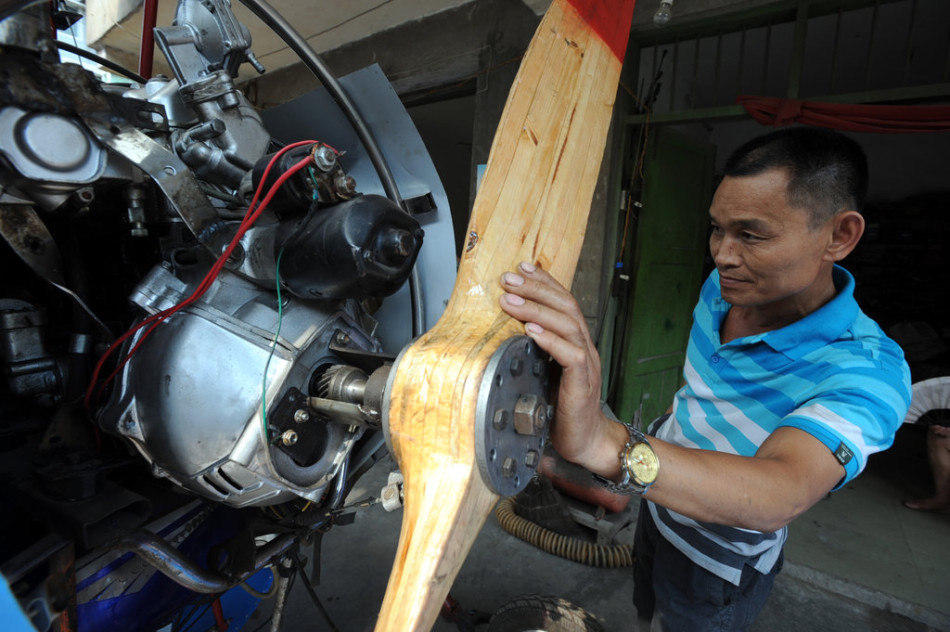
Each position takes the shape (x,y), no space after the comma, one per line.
(539,286)
(562,351)
(550,319)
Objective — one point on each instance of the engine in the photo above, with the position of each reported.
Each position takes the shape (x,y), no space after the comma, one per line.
(251,277)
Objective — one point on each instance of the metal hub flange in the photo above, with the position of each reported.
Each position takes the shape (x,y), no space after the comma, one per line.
(512,415)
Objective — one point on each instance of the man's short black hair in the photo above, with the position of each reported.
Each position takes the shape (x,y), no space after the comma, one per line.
(828,172)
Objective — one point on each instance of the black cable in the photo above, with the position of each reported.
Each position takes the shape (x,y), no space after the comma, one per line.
(313,595)
(102,61)
(296,42)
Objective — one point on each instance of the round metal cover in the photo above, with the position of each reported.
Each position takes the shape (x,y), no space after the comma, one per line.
(512,415)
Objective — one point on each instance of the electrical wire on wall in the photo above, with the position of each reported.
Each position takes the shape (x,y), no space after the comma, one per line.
(631,203)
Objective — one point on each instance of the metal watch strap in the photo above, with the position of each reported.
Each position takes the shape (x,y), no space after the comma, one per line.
(626,485)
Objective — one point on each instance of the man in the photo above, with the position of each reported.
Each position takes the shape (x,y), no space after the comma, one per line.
(789,386)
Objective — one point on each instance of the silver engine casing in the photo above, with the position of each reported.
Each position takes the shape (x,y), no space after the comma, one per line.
(190,401)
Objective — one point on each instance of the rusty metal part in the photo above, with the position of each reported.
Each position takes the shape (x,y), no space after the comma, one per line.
(171,175)
(22,228)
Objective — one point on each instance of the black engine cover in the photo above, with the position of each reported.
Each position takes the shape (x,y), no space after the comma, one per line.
(359,248)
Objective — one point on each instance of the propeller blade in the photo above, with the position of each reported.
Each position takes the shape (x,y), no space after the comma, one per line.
(532,206)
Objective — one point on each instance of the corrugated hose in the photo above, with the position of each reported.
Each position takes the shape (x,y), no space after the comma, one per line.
(568,547)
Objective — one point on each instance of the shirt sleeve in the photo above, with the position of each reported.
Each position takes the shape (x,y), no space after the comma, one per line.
(856,415)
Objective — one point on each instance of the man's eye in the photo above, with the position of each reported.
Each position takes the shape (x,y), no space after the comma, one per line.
(749,236)
(716,230)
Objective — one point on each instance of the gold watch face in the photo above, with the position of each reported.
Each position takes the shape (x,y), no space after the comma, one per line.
(642,463)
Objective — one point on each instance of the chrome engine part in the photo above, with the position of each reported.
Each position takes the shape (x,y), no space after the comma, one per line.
(192,400)
(110,191)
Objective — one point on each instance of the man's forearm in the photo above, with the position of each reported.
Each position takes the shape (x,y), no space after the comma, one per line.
(763,492)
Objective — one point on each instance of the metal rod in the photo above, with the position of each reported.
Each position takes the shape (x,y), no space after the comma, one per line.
(102,61)
(715,92)
(653,76)
(946,64)
(741,59)
(867,63)
(834,54)
(676,48)
(908,47)
(283,585)
(695,83)
(798,52)
(147,49)
(172,563)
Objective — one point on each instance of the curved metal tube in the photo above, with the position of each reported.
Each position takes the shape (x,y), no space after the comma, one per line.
(174,565)
(102,61)
(171,563)
(309,57)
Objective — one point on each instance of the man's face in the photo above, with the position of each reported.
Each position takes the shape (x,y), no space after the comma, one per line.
(766,253)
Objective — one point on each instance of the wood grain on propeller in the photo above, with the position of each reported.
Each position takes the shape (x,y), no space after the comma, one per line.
(532,206)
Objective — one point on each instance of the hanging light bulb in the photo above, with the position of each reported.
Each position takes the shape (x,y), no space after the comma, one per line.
(664,14)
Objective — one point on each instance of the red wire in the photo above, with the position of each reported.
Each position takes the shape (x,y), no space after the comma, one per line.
(220,623)
(249,218)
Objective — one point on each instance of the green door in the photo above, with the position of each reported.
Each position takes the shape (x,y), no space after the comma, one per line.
(668,251)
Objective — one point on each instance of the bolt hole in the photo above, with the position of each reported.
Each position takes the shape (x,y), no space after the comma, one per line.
(499,380)
(517,481)
(492,455)
(527,348)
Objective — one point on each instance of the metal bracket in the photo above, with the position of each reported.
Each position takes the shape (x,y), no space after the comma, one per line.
(512,415)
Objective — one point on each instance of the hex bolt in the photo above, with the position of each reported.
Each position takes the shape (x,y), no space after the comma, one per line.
(538,367)
(516,366)
(531,459)
(341,338)
(540,417)
(529,415)
(509,467)
(324,158)
(500,420)
(289,438)
(302,416)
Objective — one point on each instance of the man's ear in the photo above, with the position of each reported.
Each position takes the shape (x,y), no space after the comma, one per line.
(846,232)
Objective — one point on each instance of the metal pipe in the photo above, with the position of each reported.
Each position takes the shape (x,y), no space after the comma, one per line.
(909,46)
(283,583)
(147,50)
(834,54)
(312,61)
(343,412)
(172,563)
(102,61)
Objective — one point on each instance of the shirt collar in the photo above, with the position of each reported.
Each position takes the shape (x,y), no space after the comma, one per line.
(822,326)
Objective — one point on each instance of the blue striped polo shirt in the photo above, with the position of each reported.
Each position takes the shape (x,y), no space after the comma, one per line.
(833,374)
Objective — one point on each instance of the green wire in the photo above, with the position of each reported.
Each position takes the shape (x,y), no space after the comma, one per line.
(273,348)
(316,185)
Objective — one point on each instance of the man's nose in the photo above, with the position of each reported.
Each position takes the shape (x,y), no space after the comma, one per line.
(725,252)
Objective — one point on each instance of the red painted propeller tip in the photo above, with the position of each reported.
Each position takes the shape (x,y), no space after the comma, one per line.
(610,19)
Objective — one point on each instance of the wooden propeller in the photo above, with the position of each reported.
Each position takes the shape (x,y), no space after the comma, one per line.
(532,206)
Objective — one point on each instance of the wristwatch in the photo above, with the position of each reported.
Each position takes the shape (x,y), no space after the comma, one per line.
(638,464)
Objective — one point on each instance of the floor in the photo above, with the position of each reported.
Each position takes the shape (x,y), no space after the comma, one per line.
(857,561)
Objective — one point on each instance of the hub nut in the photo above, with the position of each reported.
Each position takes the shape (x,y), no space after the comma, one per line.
(289,438)
(530,415)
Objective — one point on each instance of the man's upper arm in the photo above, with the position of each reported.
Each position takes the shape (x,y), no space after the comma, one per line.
(809,470)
